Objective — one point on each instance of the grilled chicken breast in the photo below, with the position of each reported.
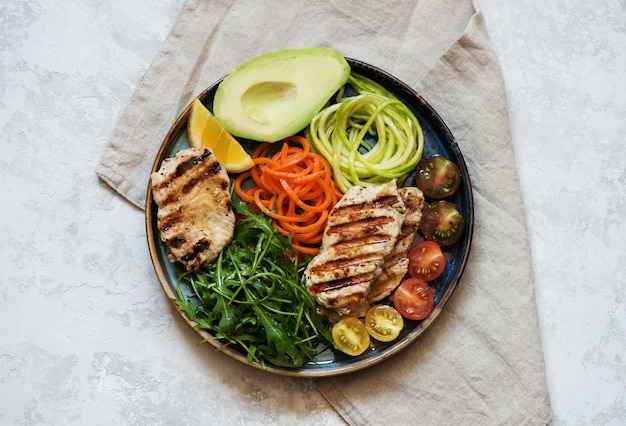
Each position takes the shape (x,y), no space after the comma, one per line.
(396,262)
(361,231)
(195,216)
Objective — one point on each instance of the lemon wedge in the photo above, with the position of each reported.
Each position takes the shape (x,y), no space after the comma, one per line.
(203,129)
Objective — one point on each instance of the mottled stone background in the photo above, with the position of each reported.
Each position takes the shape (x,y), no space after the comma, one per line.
(86,334)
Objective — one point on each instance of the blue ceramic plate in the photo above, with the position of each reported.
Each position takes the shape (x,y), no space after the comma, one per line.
(437,141)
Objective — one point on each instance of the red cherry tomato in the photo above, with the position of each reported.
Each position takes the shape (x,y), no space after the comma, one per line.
(414,299)
(426,261)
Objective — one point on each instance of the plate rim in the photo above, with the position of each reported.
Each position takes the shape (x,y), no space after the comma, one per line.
(311,372)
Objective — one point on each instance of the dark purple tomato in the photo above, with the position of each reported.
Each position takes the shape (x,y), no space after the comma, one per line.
(442,223)
(437,177)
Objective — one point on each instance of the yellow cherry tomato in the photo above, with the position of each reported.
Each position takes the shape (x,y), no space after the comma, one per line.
(350,336)
(383,323)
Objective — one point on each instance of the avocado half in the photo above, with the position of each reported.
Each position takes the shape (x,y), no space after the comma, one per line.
(277,94)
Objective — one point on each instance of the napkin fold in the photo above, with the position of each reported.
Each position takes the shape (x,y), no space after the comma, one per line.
(481,362)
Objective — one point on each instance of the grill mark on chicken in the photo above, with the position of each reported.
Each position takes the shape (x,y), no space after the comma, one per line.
(200,162)
(198,248)
(368,243)
(176,241)
(361,230)
(181,169)
(396,263)
(338,266)
(322,275)
(340,283)
(167,225)
(363,210)
(413,199)
(360,227)
(195,216)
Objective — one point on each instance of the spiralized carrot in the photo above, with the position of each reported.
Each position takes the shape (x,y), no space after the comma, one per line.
(294,186)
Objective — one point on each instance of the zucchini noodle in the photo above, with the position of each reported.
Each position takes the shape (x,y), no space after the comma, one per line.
(368,139)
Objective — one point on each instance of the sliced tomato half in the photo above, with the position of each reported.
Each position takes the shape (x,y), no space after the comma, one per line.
(351,336)
(442,223)
(414,299)
(383,322)
(426,261)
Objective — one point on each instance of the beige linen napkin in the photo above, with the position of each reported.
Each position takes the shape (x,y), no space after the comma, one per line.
(481,361)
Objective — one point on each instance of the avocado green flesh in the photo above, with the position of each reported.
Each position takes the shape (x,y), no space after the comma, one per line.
(268,102)
(276,95)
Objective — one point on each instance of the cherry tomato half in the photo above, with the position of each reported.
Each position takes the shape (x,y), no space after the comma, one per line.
(414,299)
(442,223)
(426,260)
(437,177)
(350,336)
(383,322)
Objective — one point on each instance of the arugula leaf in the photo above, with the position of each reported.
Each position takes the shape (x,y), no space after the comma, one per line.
(253,296)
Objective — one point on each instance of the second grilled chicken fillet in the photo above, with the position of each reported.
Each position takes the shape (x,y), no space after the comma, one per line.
(361,230)
(396,263)
(195,216)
